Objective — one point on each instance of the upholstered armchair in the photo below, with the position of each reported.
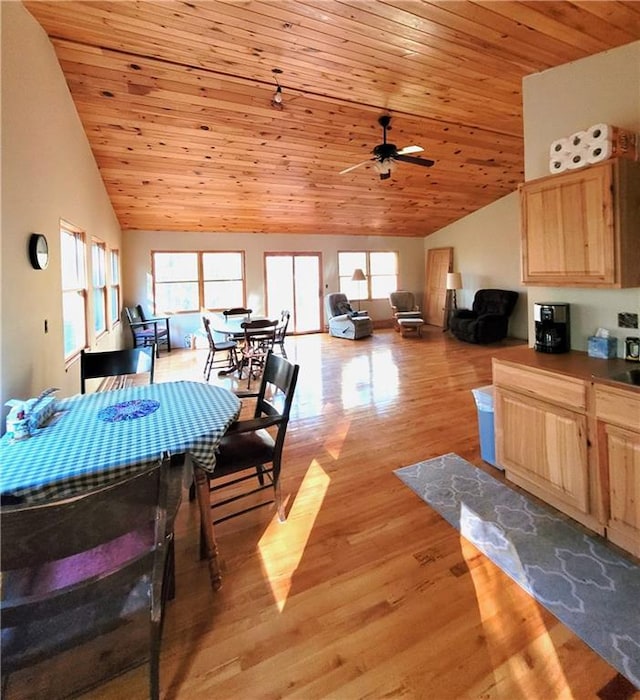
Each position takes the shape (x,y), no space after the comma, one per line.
(488,319)
(343,321)
(403,305)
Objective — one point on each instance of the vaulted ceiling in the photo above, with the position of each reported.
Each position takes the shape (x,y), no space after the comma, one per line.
(176,101)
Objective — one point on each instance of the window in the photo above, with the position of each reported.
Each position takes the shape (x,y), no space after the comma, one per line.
(74,290)
(175,277)
(99,286)
(383,274)
(223,280)
(114,286)
(379,267)
(195,280)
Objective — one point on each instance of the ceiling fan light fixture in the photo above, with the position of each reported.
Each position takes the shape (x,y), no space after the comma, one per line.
(384,167)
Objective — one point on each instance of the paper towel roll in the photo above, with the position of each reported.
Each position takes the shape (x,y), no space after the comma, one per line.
(599,133)
(578,158)
(559,163)
(558,147)
(577,140)
(597,152)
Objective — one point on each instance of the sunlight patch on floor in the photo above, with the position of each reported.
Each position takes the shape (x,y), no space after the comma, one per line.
(536,670)
(282,545)
(335,440)
(368,379)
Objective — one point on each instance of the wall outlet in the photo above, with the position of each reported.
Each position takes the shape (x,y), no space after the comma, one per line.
(627,320)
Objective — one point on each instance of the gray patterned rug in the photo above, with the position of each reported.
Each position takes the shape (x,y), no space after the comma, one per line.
(582,580)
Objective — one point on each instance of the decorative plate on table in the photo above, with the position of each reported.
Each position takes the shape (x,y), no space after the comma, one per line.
(128,410)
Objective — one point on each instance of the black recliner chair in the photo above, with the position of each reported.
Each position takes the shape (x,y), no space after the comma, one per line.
(488,319)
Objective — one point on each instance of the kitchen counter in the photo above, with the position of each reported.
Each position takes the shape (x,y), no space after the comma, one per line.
(573,364)
(569,434)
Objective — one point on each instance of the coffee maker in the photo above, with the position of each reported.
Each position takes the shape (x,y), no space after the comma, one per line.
(553,332)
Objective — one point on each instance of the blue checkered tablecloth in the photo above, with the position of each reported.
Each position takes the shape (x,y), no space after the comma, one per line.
(80,450)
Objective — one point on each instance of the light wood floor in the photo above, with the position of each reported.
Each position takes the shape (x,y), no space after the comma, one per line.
(365,592)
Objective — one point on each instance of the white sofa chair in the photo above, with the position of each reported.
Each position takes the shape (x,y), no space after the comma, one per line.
(343,321)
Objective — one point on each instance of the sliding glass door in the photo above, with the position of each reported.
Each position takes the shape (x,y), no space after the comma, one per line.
(293,283)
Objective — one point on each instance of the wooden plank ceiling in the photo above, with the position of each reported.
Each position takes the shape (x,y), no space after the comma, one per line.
(176,100)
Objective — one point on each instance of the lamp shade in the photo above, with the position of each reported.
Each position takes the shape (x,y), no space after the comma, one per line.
(454,280)
(358,275)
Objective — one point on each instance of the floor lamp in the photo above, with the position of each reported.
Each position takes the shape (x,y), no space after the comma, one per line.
(359,276)
(454,282)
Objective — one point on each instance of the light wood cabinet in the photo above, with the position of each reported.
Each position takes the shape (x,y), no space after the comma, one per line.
(618,435)
(580,228)
(541,438)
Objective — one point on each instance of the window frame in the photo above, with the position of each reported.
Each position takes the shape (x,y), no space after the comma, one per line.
(80,264)
(199,258)
(115,289)
(345,272)
(99,284)
(241,279)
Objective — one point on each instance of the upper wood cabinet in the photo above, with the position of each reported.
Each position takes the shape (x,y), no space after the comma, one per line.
(580,228)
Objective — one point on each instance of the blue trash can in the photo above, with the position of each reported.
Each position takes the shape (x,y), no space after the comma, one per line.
(484,403)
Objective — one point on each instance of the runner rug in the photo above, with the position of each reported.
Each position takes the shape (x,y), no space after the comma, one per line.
(580,578)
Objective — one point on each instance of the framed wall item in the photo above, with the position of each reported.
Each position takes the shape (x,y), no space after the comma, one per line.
(38,251)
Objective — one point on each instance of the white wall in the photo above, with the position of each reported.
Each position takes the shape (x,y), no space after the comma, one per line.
(601,88)
(48,173)
(486,252)
(138,245)
(559,101)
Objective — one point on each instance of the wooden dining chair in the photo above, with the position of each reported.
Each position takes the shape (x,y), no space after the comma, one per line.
(259,340)
(117,363)
(227,346)
(237,311)
(85,566)
(281,332)
(250,450)
(148,331)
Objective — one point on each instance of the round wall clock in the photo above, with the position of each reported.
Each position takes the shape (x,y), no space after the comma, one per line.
(38,251)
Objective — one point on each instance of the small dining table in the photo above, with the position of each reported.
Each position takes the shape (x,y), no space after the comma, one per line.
(232,329)
(93,439)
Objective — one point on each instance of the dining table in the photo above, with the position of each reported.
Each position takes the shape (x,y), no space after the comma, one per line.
(232,329)
(93,439)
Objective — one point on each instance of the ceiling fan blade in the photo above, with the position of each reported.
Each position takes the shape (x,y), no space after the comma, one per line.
(410,149)
(416,161)
(353,167)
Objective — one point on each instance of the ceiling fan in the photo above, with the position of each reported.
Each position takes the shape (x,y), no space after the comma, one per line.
(386,154)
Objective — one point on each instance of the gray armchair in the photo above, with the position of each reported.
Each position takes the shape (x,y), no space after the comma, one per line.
(343,321)
(404,305)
